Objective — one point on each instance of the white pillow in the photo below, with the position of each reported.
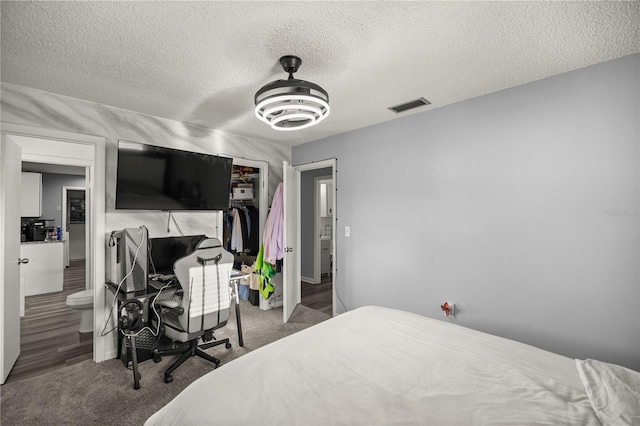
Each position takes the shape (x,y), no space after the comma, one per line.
(613,390)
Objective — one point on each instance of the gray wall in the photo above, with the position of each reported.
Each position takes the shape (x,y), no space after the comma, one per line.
(52,194)
(519,206)
(307,225)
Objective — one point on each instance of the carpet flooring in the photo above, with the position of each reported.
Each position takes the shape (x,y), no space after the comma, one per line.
(89,393)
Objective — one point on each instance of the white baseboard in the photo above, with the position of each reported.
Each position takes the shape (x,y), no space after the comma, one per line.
(309,280)
(111,355)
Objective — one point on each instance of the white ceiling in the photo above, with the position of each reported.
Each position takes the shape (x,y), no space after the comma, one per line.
(202,62)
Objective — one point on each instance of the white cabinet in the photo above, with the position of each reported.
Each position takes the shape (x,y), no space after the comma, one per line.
(45,271)
(326,198)
(31,195)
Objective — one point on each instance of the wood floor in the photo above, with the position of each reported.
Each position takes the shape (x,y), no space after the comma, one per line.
(318,296)
(49,337)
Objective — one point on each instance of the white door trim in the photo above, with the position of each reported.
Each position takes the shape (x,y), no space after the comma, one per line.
(65,231)
(317,268)
(66,189)
(333,163)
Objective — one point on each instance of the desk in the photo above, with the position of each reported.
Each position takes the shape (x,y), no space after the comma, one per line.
(143,296)
(150,292)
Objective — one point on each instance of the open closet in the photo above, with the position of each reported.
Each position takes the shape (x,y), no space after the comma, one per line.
(243,223)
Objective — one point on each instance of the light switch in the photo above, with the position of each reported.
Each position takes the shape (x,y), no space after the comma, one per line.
(347,231)
(58,208)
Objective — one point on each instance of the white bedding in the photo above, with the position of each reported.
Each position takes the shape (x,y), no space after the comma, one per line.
(378,365)
(614,391)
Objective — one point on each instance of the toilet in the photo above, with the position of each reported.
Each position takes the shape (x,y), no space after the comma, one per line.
(83,301)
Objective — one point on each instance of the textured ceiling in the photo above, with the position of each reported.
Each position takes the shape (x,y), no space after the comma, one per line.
(202,62)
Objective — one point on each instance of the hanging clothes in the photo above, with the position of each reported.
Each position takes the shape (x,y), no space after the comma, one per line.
(253,223)
(272,238)
(265,272)
(242,214)
(226,230)
(271,250)
(236,232)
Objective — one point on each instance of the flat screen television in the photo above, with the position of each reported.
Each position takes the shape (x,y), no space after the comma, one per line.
(155,178)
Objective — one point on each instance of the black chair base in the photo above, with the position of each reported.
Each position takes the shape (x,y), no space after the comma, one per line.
(186,352)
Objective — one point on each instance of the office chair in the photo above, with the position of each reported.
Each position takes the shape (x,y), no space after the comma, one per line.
(204,278)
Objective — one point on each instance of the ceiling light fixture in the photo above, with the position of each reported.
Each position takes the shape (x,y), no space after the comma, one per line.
(291,104)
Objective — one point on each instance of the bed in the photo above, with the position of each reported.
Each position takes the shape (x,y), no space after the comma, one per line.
(376,365)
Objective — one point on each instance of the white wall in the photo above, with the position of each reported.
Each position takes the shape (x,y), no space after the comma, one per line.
(52,184)
(519,206)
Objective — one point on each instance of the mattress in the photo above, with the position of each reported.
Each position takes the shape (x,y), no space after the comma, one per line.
(376,365)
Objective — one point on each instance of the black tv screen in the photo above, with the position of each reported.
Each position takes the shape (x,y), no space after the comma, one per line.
(164,251)
(155,178)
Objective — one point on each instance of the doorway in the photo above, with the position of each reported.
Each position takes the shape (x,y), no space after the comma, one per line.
(58,148)
(49,329)
(316,239)
(73,222)
(302,235)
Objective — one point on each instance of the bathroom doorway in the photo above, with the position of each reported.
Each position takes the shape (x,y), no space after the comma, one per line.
(316,239)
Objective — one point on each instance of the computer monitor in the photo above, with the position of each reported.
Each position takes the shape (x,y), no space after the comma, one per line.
(163,252)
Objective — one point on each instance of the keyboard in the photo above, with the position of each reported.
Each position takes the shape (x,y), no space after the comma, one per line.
(162,277)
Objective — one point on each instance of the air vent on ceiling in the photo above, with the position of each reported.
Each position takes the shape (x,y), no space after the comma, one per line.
(409,105)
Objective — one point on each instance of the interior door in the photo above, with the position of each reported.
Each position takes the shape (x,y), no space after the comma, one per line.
(11,162)
(291,238)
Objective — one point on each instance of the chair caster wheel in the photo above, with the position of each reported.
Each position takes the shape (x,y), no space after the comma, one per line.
(227,345)
(217,362)
(168,378)
(157,358)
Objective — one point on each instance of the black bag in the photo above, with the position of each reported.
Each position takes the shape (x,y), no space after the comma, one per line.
(254,297)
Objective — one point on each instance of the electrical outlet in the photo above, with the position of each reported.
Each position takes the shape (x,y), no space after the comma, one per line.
(452,310)
(448,309)
(347,231)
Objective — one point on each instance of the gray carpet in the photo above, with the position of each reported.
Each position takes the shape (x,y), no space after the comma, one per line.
(102,394)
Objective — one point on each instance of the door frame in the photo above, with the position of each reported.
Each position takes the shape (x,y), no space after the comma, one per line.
(88,151)
(65,209)
(322,164)
(65,190)
(317,241)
